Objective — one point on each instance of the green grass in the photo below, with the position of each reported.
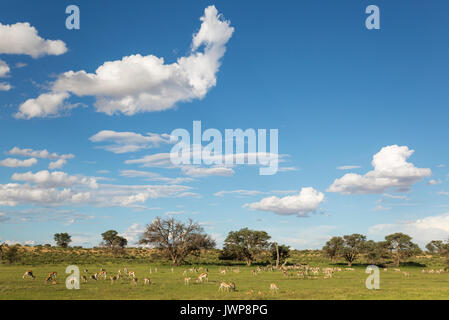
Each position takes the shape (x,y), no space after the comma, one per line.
(167,285)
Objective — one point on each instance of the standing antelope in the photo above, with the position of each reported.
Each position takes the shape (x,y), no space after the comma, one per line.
(187,280)
(84,279)
(224,286)
(202,277)
(135,281)
(274,287)
(27,274)
(131,274)
(147,281)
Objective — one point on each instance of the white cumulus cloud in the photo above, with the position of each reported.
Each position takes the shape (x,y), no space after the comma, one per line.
(306,201)
(138,83)
(391,170)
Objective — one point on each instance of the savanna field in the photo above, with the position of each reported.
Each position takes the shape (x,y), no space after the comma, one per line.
(167,283)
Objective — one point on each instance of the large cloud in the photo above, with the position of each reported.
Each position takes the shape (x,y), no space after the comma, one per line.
(391,170)
(22,38)
(306,201)
(139,83)
(422,230)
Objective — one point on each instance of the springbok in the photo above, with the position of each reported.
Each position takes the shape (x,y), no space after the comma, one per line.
(131,274)
(147,281)
(84,279)
(135,281)
(187,280)
(202,277)
(224,286)
(29,274)
(274,287)
(113,279)
(52,275)
(94,277)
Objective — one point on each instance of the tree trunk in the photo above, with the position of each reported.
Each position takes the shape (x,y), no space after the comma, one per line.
(349,263)
(248,262)
(277,255)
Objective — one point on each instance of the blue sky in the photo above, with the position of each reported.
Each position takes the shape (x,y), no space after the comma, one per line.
(337,92)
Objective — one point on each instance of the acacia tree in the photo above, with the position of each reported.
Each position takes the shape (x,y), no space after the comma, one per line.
(401,246)
(176,239)
(334,247)
(62,239)
(246,244)
(436,247)
(353,245)
(113,241)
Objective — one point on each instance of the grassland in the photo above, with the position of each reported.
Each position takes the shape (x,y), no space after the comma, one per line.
(167,285)
(170,285)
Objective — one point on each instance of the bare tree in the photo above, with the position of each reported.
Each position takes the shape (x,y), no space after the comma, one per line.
(176,239)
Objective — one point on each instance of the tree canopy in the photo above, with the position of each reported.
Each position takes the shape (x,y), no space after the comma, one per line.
(246,244)
(62,239)
(176,239)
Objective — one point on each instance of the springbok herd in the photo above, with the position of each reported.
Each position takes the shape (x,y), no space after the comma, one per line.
(200,275)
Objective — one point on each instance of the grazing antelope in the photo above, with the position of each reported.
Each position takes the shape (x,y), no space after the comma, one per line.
(135,281)
(222,271)
(397,270)
(27,274)
(202,277)
(103,274)
(84,279)
(52,275)
(224,286)
(187,280)
(147,281)
(406,274)
(274,287)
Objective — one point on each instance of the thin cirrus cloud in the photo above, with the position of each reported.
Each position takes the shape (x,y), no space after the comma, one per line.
(348,167)
(15,163)
(139,83)
(41,154)
(125,142)
(306,201)
(22,38)
(55,179)
(391,170)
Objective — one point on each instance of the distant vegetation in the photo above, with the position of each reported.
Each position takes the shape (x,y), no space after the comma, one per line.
(172,242)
